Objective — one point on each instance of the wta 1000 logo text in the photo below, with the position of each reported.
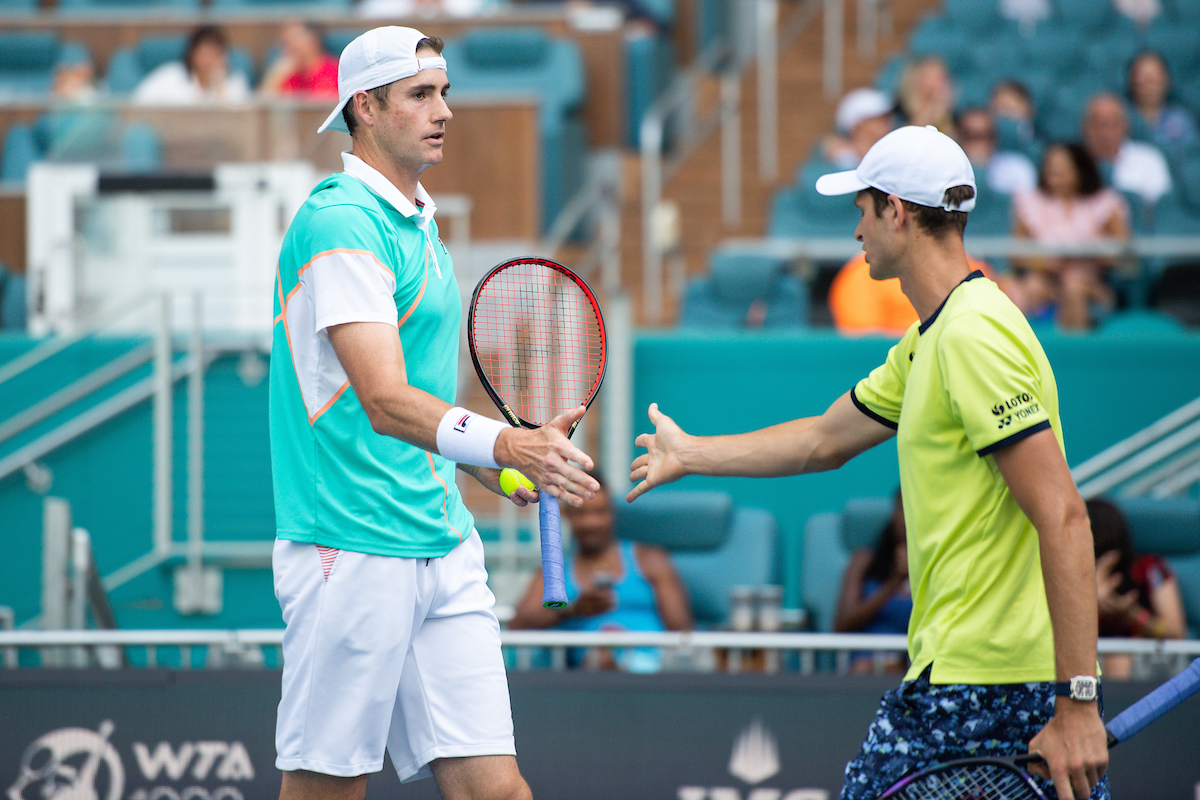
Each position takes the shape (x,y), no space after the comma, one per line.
(77,763)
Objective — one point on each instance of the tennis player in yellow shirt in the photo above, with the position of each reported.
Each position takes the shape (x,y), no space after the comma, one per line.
(1002,636)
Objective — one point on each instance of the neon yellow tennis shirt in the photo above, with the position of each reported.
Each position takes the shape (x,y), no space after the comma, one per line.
(958,387)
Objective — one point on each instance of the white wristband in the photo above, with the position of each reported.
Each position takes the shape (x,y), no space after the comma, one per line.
(468,438)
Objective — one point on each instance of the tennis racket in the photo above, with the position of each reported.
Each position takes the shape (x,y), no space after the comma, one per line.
(1006,778)
(538,343)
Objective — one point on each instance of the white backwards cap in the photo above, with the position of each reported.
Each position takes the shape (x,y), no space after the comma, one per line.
(915,164)
(377,58)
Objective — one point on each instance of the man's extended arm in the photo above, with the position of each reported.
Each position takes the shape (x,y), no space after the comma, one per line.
(1073,743)
(373,358)
(811,444)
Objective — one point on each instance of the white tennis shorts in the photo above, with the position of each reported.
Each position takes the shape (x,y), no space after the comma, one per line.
(384,652)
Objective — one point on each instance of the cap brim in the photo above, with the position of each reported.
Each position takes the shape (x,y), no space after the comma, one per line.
(836,183)
(334,121)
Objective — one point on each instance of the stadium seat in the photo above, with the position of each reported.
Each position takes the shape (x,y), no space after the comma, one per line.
(20,151)
(978,16)
(1055,47)
(938,37)
(996,58)
(1178,44)
(992,215)
(649,67)
(714,544)
(1086,16)
(27,62)
(12,301)
(100,7)
(258,6)
(829,541)
(742,290)
(16,8)
(507,61)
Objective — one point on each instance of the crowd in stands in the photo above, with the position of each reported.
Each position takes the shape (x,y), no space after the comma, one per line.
(1073,140)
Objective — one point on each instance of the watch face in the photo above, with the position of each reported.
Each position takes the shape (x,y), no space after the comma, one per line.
(1083,687)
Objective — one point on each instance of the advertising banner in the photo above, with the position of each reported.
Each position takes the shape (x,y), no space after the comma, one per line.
(209,735)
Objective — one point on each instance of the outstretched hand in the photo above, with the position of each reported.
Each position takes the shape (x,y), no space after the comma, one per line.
(660,463)
(544,455)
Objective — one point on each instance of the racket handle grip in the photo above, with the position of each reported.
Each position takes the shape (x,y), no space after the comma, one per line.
(554,588)
(1157,703)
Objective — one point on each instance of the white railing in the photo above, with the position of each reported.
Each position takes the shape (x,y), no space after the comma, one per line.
(245,647)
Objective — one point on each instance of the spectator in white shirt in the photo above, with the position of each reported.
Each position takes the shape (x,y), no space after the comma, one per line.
(1137,167)
(204,75)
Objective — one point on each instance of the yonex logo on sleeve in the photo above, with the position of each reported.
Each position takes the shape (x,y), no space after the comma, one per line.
(461,425)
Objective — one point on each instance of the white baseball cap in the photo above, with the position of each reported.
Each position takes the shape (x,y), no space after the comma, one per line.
(377,58)
(859,105)
(915,164)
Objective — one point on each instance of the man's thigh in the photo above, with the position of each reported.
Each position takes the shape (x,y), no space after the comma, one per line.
(303,785)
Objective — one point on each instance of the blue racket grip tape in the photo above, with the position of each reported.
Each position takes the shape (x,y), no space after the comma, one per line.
(554,588)
(1157,703)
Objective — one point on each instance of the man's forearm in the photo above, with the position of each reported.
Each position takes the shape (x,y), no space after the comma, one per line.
(1068,570)
(785,449)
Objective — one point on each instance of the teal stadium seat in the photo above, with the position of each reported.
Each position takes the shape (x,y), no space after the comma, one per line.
(1055,47)
(726,297)
(298,6)
(527,61)
(20,151)
(18,8)
(1170,527)
(978,16)
(714,544)
(829,541)
(27,62)
(94,135)
(102,7)
(937,36)
(12,300)
(649,68)
(1087,16)
(1178,44)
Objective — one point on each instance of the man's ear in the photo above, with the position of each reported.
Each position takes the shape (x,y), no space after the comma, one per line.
(899,212)
(364,107)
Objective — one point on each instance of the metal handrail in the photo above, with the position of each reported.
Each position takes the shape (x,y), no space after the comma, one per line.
(92,418)
(57,344)
(749,640)
(77,390)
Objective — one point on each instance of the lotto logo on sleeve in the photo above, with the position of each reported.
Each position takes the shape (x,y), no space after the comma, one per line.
(461,425)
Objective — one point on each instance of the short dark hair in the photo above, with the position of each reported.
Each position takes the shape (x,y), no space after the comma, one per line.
(380,93)
(202,34)
(1086,170)
(937,222)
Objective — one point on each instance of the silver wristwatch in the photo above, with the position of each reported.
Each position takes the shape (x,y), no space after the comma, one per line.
(1083,688)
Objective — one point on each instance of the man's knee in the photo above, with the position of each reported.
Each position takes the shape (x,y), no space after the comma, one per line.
(304,785)
(480,778)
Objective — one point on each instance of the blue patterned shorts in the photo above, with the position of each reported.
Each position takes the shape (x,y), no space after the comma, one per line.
(920,724)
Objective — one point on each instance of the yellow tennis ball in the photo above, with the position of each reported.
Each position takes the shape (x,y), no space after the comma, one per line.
(510,479)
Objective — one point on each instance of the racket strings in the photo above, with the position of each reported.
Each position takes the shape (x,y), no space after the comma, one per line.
(974,782)
(539,340)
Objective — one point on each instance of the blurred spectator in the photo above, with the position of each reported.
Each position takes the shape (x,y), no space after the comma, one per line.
(74,77)
(1154,119)
(1003,171)
(204,75)
(1013,114)
(1026,13)
(303,67)
(1135,167)
(1137,596)
(375,9)
(863,117)
(875,596)
(1140,11)
(1070,206)
(611,585)
(926,95)
(863,306)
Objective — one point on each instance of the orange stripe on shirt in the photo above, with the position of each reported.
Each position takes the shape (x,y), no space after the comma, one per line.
(420,294)
(446,500)
(314,417)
